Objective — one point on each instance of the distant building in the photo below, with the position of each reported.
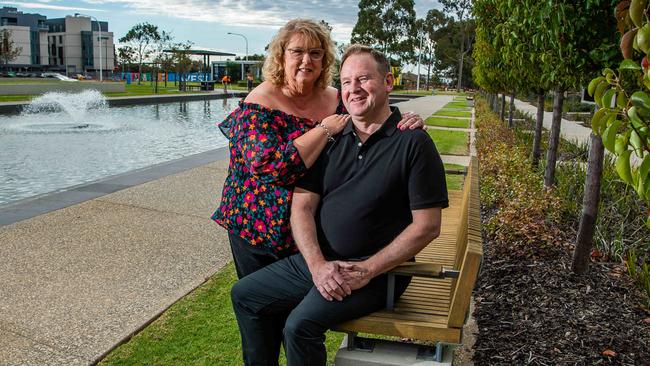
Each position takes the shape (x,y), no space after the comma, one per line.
(70,45)
(29,32)
(74,44)
(237,69)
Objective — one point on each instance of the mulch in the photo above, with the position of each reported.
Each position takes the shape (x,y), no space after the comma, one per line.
(538,312)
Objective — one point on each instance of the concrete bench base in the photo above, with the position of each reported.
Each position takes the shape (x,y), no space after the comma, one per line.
(377,352)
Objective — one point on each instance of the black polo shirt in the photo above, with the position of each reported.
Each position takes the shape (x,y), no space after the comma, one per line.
(369,189)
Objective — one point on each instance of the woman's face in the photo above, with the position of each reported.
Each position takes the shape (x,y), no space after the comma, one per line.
(304,67)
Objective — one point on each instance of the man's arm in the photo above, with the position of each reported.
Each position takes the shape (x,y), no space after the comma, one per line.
(424,228)
(327,279)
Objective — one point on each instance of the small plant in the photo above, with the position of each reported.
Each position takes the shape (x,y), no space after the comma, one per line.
(641,273)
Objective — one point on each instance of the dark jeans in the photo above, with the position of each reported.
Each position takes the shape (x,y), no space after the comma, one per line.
(286,286)
(248,258)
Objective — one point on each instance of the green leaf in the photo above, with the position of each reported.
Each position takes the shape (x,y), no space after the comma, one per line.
(637,144)
(629,65)
(644,169)
(623,167)
(597,120)
(634,116)
(641,100)
(647,190)
(607,98)
(621,100)
(621,144)
(598,94)
(607,71)
(609,136)
(636,11)
(593,83)
(611,117)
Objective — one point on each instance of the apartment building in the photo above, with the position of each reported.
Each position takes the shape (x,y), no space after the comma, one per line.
(29,32)
(74,45)
(70,45)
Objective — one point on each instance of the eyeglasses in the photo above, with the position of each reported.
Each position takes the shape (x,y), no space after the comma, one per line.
(314,53)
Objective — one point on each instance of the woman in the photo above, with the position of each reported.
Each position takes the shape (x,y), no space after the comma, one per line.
(275,135)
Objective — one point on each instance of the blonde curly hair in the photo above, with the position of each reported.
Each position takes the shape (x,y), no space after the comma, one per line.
(316,33)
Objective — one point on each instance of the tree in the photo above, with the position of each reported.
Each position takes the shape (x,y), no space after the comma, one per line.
(571,49)
(142,38)
(488,69)
(254,57)
(623,120)
(387,25)
(182,61)
(462,9)
(164,59)
(126,56)
(447,45)
(8,49)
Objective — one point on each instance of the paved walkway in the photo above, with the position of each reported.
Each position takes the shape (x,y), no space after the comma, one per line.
(76,281)
(569,130)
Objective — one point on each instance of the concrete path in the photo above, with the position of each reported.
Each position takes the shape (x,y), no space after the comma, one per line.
(569,130)
(77,281)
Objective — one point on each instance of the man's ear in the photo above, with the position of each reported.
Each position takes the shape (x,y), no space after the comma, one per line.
(389,81)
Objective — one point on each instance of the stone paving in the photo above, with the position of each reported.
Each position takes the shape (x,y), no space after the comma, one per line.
(78,280)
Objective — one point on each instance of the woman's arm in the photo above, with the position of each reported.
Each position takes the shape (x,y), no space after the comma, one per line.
(312,142)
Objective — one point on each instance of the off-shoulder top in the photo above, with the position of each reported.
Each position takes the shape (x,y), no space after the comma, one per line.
(264,166)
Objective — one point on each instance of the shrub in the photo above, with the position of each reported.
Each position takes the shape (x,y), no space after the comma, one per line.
(526,221)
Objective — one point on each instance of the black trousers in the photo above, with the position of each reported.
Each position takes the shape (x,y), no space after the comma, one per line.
(286,286)
(248,258)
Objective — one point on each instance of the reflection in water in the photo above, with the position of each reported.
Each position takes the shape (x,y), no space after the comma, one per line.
(50,150)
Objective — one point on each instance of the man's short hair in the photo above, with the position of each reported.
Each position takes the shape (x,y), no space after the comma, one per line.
(382,62)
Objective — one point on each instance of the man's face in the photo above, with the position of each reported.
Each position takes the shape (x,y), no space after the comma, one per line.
(363,87)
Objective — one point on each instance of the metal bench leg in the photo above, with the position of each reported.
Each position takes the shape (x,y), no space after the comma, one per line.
(390,294)
(351,338)
(438,356)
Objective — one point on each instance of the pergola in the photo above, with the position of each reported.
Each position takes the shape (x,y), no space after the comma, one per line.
(206,56)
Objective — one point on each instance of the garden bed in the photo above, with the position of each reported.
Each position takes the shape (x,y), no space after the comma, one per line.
(530,307)
(540,313)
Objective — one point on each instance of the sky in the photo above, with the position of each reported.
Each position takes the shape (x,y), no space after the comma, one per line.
(207,22)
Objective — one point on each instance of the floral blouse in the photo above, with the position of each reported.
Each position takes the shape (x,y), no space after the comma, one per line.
(264,166)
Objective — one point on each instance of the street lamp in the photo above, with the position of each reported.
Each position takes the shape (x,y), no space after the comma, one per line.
(419,58)
(99,26)
(245,39)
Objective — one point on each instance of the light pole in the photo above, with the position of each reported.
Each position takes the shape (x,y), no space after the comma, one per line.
(246,58)
(99,27)
(419,58)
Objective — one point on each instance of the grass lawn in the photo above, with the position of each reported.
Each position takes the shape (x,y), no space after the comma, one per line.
(450,142)
(455,181)
(447,122)
(448,92)
(413,92)
(453,113)
(131,90)
(460,99)
(457,105)
(200,329)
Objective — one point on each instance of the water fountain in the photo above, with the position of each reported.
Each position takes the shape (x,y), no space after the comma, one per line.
(63,139)
(57,112)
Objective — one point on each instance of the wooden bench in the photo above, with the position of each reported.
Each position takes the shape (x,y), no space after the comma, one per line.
(192,87)
(435,306)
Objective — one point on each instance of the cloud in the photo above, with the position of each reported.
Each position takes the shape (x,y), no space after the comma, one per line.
(272,14)
(45,5)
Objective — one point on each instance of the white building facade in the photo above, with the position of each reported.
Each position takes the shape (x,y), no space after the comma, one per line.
(70,45)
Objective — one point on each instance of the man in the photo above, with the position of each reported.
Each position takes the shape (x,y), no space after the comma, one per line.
(371,201)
